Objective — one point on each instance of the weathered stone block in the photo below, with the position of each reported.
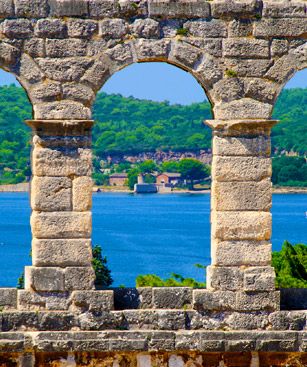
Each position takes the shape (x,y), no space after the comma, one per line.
(62,110)
(64,69)
(79,278)
(283,69)
(146,28)
(246,48)
(284,9)
(236,9)
(78,92)
(61,162)
(29,70)
(209,71)
(228,89)
(8,54)
(46,91)
(172,297)
(6,9)
(241,225)
(8,298)
(113,28)
(182,9)
(262,90)
(244,108)
(101,8)
(210,46)
(170,319)
(44,279)
(259,279)
(242,146)
(66,47)
(31,8)
(224,278)
(51,28)
(186,55)
(207,29)
(121,55)
(232,253)
(68,7)
(34,47)
(279,47)
(29,300)
(205,300)
(61,252)
(82,28)
(242,195)
(247,67)
(51,193)
(152,50)
(92,301)
(257,301)
(82,193)
(17,28)
(61,224)
(231,169)
(98,73)
(287,320)
(240,28)
(280,27)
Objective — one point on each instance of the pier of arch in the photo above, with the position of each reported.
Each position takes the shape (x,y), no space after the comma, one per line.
(242,53)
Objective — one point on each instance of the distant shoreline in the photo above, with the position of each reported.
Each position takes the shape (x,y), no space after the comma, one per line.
(25,187)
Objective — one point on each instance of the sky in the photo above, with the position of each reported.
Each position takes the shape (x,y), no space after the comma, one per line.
(159,82)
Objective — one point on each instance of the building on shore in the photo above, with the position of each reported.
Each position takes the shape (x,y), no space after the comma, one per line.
(118,179)
(169,178)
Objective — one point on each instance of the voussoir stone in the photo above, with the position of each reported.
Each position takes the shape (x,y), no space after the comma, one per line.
(17,28)
(61,224)
(9,55)
(50,28)
(149,50)
(69,252)
(244,225)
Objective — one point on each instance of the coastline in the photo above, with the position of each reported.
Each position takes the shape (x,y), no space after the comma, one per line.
(25,187)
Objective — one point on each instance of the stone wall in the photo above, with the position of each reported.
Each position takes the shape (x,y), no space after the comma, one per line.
(63,51)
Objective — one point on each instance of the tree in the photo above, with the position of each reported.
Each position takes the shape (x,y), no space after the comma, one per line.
(191,169)
(169,166)
(148,166)
(288,173)
(102,272)
(133,177)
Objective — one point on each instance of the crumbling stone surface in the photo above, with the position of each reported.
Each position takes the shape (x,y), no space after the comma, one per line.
(242,53)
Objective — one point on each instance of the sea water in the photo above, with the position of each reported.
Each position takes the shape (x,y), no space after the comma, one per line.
(142,234)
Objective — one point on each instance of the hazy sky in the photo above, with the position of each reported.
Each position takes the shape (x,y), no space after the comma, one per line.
(159,82)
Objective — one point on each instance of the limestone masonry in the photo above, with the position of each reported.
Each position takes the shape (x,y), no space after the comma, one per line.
(242,53)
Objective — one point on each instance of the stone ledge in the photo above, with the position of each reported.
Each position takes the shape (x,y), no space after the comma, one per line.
(119,341)
(100,9)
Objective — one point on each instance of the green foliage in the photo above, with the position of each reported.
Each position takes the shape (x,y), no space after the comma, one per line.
(290,133)
(102,272)
(175,280)
(231,73)
(291,266)
(169,166)
(289,170)
(182,31)
(191,169)
(148,166)
(133,177)
(21,281)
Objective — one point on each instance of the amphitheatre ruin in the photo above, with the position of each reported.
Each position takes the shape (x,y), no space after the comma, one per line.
(242,52)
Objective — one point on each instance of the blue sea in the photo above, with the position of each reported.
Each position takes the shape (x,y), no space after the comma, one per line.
(143,234)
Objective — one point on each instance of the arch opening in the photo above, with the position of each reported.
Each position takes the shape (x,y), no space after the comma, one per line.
(149,117)
(15,174)
(289,178)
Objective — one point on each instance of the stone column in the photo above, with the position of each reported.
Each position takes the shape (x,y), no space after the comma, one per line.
(61,201)
(241,221)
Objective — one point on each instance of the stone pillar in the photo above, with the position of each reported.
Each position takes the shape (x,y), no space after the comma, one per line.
(61,201)
(241,221)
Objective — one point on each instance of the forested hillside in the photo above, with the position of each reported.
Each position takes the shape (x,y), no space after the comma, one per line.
(129,125)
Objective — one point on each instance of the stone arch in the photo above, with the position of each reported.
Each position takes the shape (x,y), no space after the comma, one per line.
(203,67)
